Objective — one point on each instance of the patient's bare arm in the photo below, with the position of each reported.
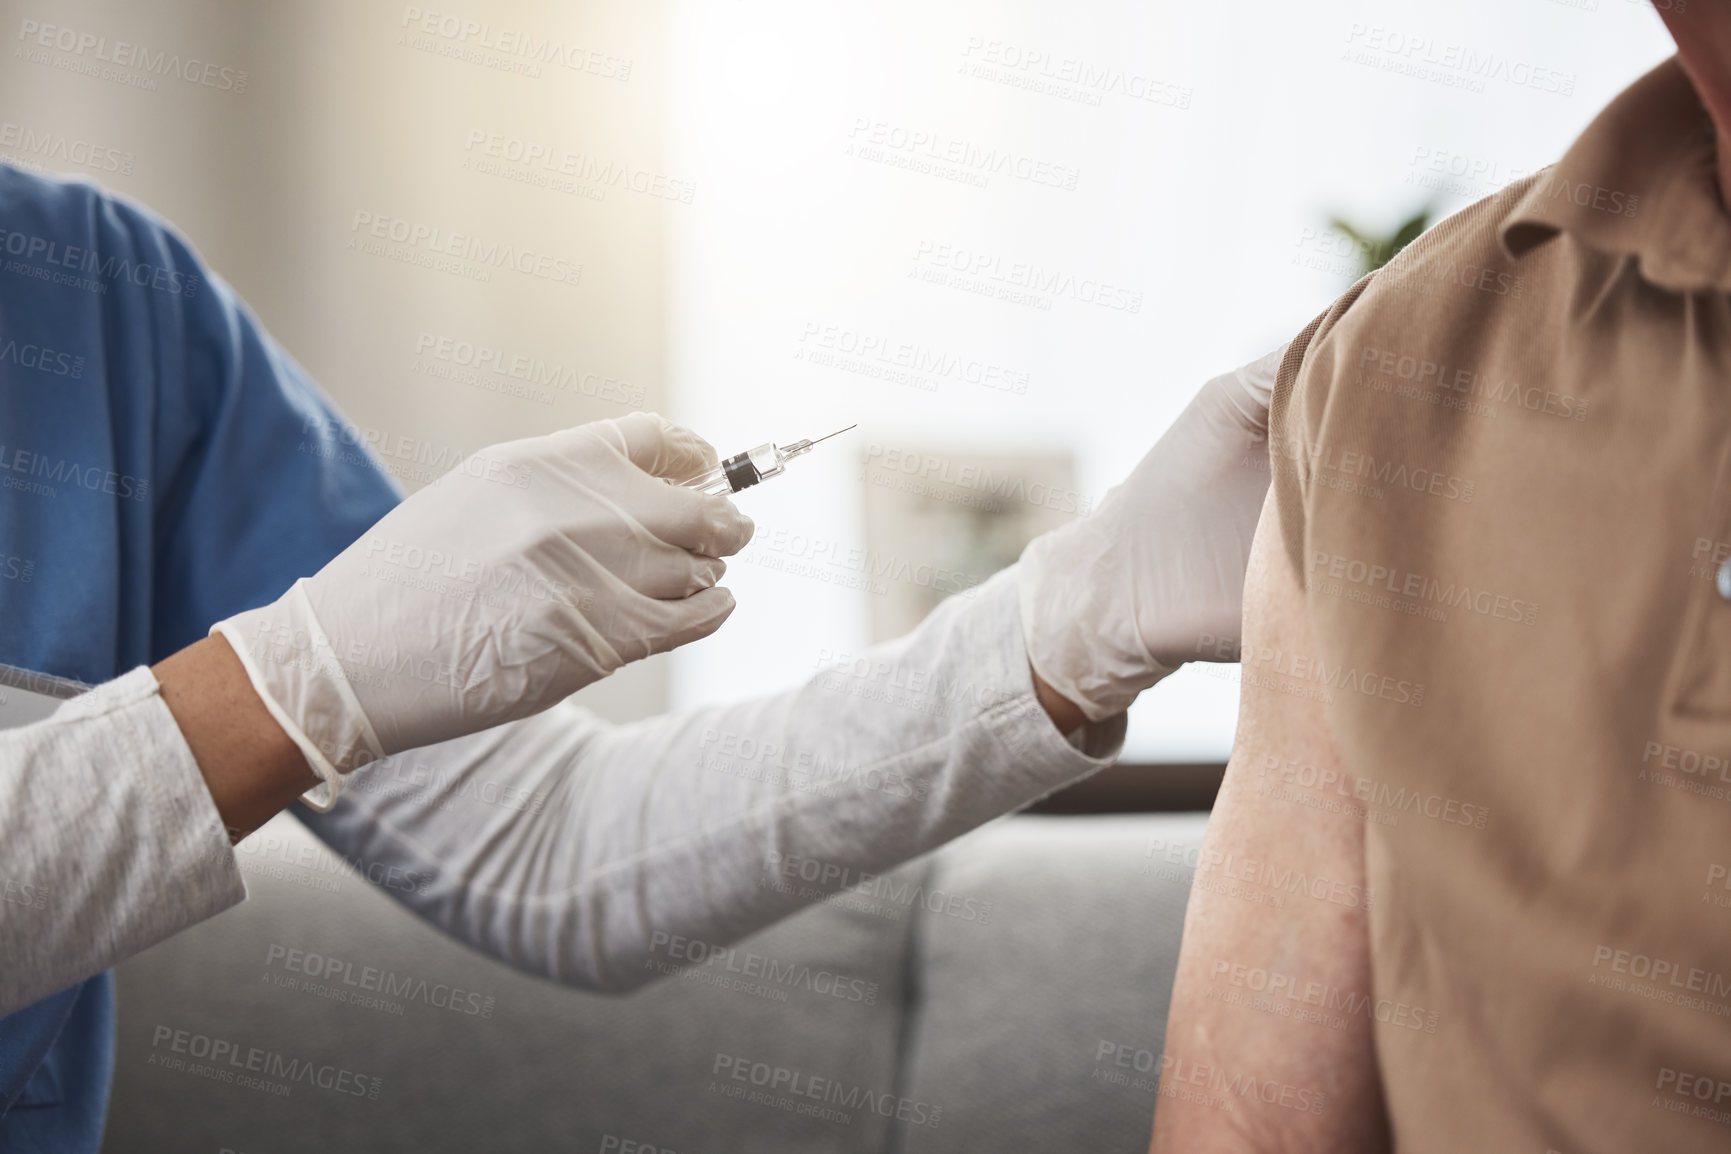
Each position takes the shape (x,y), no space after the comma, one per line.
(1263,1049)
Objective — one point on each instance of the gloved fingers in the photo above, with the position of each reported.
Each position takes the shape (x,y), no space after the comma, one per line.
(643,627)
(674,578)
(697,616)
(1258,376)
(662,448)
(710,573)
(700,523)
(1245,392)
(1223,409)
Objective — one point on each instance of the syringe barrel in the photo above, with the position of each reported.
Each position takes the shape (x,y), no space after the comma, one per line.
(766,460)
(713,481)
(741,471)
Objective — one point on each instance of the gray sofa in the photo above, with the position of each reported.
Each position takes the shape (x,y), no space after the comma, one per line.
(1006,993)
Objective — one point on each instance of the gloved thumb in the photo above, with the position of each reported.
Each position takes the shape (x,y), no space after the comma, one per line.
(662,448)
(689,619)
(1243,394)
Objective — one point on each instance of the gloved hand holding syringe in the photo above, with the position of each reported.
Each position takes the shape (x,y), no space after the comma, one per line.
(743,470)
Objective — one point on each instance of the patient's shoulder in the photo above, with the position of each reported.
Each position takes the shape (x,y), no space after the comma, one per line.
(1428,353)
(1454,362)
(1449,282)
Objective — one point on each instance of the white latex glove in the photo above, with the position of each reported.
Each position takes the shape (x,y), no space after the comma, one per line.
(529,571)
(1116,601)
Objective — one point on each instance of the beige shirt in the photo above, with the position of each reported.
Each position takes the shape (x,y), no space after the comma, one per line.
(1506,459)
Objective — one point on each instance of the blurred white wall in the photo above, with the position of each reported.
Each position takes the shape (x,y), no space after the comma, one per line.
(753,191)
(322,113)
(1190,153)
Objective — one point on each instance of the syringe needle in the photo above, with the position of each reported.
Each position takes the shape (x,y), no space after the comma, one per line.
(801,448)
(837,433)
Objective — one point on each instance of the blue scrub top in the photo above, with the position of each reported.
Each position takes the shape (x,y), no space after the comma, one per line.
(163,465)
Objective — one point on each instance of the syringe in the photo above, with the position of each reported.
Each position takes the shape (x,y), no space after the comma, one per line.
(746,469)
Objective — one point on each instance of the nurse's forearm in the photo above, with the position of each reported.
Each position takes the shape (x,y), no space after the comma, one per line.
(1065,714)
(108,840)
(250,765)
(577,849)
(117,811)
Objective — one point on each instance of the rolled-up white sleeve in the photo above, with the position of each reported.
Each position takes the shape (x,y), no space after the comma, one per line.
(109,840)
(563,844)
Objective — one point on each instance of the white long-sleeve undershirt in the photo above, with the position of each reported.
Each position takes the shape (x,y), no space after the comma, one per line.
(560,844)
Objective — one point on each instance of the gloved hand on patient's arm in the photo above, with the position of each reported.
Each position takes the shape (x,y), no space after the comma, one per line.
(533,569)
(1155,576)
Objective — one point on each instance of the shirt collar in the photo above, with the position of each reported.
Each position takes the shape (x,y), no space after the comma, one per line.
(1640,181)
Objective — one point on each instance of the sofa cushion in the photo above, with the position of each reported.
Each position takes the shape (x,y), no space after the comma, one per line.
(367,1029)
(1038,1026)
